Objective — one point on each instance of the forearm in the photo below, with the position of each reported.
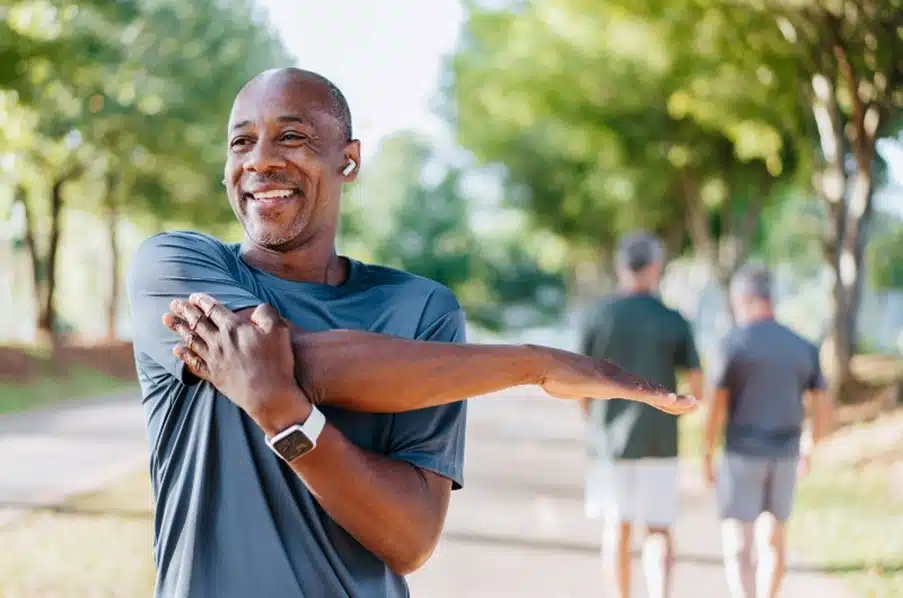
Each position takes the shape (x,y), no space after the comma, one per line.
(386,505)
(822,415)
(370,372)
(714,423)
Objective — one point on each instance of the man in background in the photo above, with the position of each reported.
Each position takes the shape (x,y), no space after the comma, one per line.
(632,475)
(760,378)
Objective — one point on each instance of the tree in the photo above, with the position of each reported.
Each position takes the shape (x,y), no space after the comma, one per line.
(427,227)
(577,100)
(841,61)
(141,115)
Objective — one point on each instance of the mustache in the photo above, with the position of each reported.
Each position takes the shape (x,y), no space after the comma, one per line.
(270,179)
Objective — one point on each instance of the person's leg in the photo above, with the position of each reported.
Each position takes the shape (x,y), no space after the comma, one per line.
(657,496)
(737,543)
(619,514)
(771,544)
(741,497)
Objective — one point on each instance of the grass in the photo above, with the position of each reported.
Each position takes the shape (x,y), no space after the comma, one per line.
(96,545)
(845,519)
(80,382)
(847,522)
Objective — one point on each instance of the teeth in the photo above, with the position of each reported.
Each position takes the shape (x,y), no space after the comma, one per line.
(273,194)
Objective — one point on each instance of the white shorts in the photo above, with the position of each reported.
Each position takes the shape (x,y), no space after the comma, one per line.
(641,491)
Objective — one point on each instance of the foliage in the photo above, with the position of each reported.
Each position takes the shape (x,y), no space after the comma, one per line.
(118,107)
(428,227)
(884,255)
(581,103)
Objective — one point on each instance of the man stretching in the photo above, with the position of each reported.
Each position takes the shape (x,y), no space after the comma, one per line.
(304,410)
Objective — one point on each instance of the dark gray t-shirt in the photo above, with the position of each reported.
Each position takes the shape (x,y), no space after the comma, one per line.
(644,336)
(231,519)
(766,368)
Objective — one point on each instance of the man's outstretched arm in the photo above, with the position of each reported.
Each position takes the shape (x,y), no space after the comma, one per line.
(376,373)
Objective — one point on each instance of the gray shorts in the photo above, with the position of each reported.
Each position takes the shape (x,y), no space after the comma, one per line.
(750,486)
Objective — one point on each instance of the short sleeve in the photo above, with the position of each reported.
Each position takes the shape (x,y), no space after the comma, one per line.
(687,357)
(174,265)
(816,378)
(433,438)
(720,373)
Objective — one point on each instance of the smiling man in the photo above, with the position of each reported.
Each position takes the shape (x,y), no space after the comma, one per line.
(304,410)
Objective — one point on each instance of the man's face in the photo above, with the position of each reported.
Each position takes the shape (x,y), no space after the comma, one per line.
(284,162)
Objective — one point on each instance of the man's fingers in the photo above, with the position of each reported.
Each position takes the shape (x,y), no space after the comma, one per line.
(218,313)
(192,339)
(192,361)
(678,404)
(194,317)
(266,317)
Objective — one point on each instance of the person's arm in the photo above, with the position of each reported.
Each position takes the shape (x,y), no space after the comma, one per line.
(821,408)
(688,363)
(375,373)
(716,413)
(393,508)
(172,265)
(718,399)
(395,505)
(694,381)
(822,412)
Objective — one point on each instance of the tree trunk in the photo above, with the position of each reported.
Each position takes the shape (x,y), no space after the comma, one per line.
(849,204)
(111,209)
(46,323)
(31,248)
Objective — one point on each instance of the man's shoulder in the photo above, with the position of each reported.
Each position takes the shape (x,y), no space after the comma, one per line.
(174,241)
(407,285)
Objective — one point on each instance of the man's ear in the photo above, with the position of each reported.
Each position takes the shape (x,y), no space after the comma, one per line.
(352,163)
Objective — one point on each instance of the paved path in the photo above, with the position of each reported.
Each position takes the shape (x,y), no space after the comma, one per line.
(49,454)
(516,530)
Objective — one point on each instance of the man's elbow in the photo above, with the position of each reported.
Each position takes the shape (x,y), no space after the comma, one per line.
(416,551)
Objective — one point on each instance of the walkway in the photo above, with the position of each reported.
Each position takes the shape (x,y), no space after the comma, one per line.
(516,530)
(52,453)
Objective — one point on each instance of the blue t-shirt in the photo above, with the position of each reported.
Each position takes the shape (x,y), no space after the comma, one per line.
(231,519)
(766,368)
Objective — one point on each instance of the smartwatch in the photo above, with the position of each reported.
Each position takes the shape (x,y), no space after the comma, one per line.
(299,439)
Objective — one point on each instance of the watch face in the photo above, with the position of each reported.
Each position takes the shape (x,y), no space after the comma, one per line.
(293,445)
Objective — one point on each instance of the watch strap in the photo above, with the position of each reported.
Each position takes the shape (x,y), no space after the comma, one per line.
(314,424)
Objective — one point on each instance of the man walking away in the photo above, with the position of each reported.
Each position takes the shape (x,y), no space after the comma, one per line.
(759,380)
(633,471)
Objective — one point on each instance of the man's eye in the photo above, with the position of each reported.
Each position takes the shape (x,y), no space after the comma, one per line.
(240,142)
(293,137)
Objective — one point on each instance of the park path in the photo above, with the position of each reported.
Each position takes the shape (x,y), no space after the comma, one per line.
(516,530)
(49,454)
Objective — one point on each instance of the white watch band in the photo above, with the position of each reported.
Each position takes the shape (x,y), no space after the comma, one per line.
(314,424)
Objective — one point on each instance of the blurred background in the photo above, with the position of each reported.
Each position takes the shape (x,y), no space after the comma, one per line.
(506,146)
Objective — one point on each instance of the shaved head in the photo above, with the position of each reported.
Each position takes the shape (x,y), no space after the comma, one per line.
(333,100)
(289,145)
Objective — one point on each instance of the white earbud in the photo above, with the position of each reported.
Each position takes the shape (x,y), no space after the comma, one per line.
(349,167)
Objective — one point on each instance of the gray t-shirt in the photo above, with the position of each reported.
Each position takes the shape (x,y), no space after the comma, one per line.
(231,519)
(766,368)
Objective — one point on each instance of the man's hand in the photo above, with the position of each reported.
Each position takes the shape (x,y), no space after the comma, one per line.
(249,361)
(708,469)
(804,465)
(572,376)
